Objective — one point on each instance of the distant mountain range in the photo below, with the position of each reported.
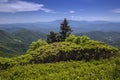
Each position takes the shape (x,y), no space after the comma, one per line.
(77,26)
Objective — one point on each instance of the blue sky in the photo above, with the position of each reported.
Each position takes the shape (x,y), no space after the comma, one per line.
(20,11)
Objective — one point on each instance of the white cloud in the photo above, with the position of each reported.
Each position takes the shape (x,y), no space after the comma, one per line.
(47,10)
(72,12)
(13,6)
(116,10)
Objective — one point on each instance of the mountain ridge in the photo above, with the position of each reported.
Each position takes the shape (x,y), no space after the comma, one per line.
(77,26)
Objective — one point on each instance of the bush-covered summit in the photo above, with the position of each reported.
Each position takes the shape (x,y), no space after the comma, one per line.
(74,48)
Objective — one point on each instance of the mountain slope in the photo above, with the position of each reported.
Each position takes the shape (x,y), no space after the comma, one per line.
(5,37)
(26,36)
(10,45)
(16,43)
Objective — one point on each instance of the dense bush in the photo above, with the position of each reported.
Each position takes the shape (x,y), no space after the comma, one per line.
(81,40)
(73,70)
(65,51)
(5,63)
(74,48)
(37,44)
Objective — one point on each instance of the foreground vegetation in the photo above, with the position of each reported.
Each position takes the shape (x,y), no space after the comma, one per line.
(73,70)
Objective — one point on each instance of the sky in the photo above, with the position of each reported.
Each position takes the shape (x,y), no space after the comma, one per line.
(22,11)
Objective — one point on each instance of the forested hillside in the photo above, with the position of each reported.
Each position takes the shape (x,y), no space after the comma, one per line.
(10,45)
(16,43)
(26,36)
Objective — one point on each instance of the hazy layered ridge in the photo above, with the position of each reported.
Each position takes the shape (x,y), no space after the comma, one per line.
(77,26)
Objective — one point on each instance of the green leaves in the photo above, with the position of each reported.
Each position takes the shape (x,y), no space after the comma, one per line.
(37,44)
(70,38)
(72,70)
(65,51)
(78,39)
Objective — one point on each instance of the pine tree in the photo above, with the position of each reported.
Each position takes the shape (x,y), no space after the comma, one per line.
(52,37)
(65,30)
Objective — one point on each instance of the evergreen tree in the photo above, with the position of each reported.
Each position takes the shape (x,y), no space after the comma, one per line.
(65,30)
(52,37)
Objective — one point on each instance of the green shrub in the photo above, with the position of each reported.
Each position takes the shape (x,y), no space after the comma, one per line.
(65,51)
(37,44)
(78,39)
(73,70)
(70,38)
